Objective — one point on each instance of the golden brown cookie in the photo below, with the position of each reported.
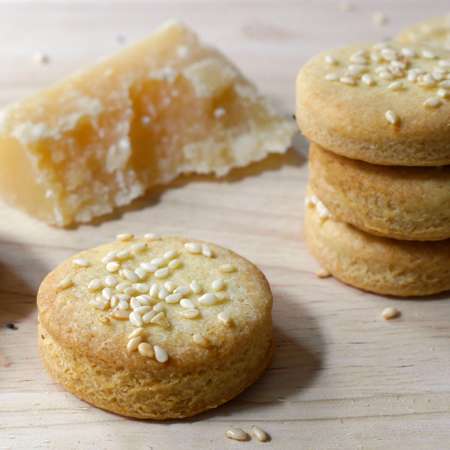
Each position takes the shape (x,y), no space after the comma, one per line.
(155,328)
(384,103)
(373,263)
(411,203)
(434,32)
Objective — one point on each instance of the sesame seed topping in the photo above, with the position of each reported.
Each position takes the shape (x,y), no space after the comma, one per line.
(396,86)
(173,298)
(112,266)
(149,267)
(158,307)
(206,251)
(191,313)
(121,315)
(110,281)
(162,293)
(150,236)
(379,19)
(195,287)
(174,264)
(390,313)
(183,290)
(329,59)
(136,319)
(170,286)
(141,273)
(200,340)
(432,102)
(193,247)
(224,317)
(443,93)
(65,283)
(125,237)
(81,262)
(162,273)
(129,275)
(347,80)
(158,262)
(218,285)
(145,349)
(219,113)
(186,303)
(331,77)
(171,254)
(147,317)
(161,320)
(108,257)
(95,284)
(227,268)
(133,343)
(391,117)
(208,299)
(142,288)
(138,247)
(237,434)
(41,58)
(154,290)
(260,434)
(160,354)
(368,80)
(428,54)
(135,333)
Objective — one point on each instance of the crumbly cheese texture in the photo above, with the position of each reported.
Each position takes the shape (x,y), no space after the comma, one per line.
(385,103)
(155,328)
(165,106)
(434,32)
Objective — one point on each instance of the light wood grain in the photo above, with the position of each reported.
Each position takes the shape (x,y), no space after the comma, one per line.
(342,378)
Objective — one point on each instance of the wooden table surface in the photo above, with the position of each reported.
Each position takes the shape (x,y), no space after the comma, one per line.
(342,378)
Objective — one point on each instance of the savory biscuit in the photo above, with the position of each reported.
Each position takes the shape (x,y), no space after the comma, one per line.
(434,32)
(155,328)
(384,103)
(373,263)
(411,203)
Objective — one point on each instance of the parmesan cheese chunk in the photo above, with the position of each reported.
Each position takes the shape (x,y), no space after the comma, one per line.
(105,136)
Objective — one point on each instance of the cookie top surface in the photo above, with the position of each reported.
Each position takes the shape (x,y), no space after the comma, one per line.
(384,95)
(176,296)
(434,32)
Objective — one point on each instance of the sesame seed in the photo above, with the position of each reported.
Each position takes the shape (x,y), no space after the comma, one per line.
(129,275)
(108,257)
(150,236)
(121,315)
(193,247)
(145,349)
(141,273)
(133,343)
(390,313)
(218,285)
(114,301)
(123,305)
(329,59)
(142,288)
(81,262)
(107,293)
(99,303)
(125,237)
(443,93)
(323,273)
(110,281)
(396,86)
(391,117)
(162,273)
(426,80)
(147,317)
(200,340)
(138,247)
(154,290)
(136,319)
(183,290)
(368,80)
(161,320)
(206,251)
(432,102)
(142,309)
(428,54)
(219,113)
(122,286)
(112,266)
(356,69)
(144,299)
(41,58)
(160,354)
(227,268)
(145,120)
(237,434)
(224,317)
(174,264)
(149,267)
(445,84)
(331,77)
(158,262)
(130,290)
(191,313)
(379,19)
(95,284)
(208,299)
(171,254)
(163,293)
(195,287)
(65,283)
(173,298)
(135,333)
(260,434)
(158,307)
(388,54)
(408,52)
(347,80)
(170,286)
(186,303)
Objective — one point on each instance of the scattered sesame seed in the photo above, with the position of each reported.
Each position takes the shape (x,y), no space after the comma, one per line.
(149,267)
(108,257)
(323,273)
(169,255)
(186,303)
(160,354)
(193,247)
(162,273)
(112,266)
(368,80)
(107,293)
(331,77)
(224,317)
(147,317)
(331,60)
(227,268)
(65,283)
(237,434)
(173,298)
(141,273)
(136,332)
(121,315)
(125,237)
(158,262)
(138,247)
(379,19)
(396,86)
(428,54)
(206,251)
(162,293)
(208,299)
(432,102)
(390,313)
(136,319)
(195,287)
(391,117)
(150,236)
(183,290)
(142,288)
(443,93)
(145,349)
(219,113)
(133,343)
(218,285)
(95,284)
(129,275)
(158,307)
(110,281)
(200,340)
(161,320)
(347,80)
(408,52)
(41,58)
(260,434)
(191,313)
(81,262)
(174,264)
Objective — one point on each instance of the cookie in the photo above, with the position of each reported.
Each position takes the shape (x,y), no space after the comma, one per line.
(155,328)
(411,203)
(434,32)
(373,263)
(384,103)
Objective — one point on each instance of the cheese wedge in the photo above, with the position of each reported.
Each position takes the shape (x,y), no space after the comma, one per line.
(103,137)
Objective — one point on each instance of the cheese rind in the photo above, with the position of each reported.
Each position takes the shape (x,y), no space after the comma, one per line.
(101,138)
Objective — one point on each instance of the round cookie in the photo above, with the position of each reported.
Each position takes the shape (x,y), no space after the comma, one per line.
(373,263)
(384,104)
(411,203)
(433,32)
(156,328)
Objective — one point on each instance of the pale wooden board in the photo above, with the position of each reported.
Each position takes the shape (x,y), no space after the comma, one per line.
(342,378)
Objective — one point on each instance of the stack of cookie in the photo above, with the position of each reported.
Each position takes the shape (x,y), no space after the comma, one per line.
(378,206)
